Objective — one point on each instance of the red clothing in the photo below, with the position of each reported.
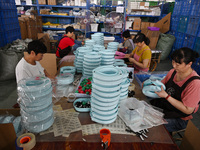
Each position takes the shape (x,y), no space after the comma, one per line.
(191,94)
(65,42)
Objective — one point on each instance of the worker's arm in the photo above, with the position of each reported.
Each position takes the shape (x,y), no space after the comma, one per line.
(144,64)
(48,75)
(176,103)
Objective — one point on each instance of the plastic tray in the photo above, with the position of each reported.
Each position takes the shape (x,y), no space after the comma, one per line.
(79,94)
(140,78)
(81,109)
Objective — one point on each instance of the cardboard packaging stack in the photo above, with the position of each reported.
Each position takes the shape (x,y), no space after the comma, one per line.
(30,26)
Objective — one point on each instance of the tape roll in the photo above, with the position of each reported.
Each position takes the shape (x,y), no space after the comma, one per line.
(26,141)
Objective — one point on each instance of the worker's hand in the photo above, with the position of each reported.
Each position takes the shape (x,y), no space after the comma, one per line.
(127,56)
(83,43)
(131,59)
(162,93)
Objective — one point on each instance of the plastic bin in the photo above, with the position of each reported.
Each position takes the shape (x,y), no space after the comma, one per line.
(196,66)
(195,11)
(186,7)
(174,22)
(197,45)
(140,78)
(177,7)
(179,40)
(183,21)
(189,41)
(193,26)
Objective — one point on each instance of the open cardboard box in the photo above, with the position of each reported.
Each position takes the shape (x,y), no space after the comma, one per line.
(191,138)
(7,131)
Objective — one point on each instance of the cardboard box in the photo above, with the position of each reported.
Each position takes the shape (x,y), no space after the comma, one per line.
(144,5)
(31,28)
(153,37)
(39,24)
(48,62)
(42,2)
(191,138)
(7,131)
(136,24)
(52,2)
(23,28)
(144,25)
(163,24)
(44,37)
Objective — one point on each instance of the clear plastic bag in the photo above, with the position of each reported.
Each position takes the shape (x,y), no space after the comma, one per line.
(131,112)
(138,115)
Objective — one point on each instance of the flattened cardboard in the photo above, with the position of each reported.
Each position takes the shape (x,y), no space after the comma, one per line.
(144,25)
(7,136)
(164,23)
(48,62)
(31,28)
(23,28)
(44,37)
(153,37)
(191,138)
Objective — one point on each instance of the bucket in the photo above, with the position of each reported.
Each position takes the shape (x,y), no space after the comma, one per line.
(94,27)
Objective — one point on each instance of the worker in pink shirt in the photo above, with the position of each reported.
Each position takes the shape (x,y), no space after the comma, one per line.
(182,95)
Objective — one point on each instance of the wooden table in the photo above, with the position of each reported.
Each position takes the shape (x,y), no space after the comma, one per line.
(158,137)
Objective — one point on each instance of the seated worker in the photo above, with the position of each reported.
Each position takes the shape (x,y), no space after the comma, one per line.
(77,43)
(141,55)
(128,43)
(182,95)
(29,65)
(65,43)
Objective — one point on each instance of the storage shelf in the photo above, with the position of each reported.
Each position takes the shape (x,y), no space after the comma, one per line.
(27,5)
(60,6)
(61,29)
(106,6)
(141,16)
(58,16)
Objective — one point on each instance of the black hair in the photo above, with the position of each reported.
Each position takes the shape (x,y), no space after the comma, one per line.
(69,29)
(126,34)
(37,46)
(140,37)
(185,55)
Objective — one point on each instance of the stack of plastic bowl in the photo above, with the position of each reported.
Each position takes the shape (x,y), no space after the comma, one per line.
(65,78)
(113,46)
(68,69)
(35,100)
(98,48)
(105,94)
(98,38)
(91,61)
(79,58)
(119,63)
(125,83)
(89,43)
(107,57)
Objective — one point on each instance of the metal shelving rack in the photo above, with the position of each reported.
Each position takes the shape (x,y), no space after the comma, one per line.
(88,5)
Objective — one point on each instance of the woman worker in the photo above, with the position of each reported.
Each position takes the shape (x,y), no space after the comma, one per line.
(181,97)
(141,55)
